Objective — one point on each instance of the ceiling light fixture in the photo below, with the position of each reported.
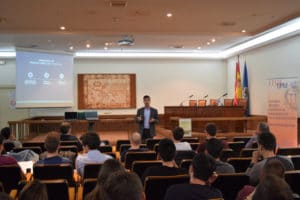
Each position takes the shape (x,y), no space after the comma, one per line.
(169,15)
(88,45)
(62,28)
(71,47)
(213,40)
(199,47)
(105,48)
(243,31)
(208,43)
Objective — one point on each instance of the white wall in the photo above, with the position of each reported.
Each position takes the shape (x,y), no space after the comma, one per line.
(280,59)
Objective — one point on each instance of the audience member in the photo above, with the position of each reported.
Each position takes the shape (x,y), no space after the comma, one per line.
(211,132)
(135,145)
(262,127)
(91,154)
(5,159)
(65,130)
(9,137)
(109,167)
(214,148)
(266,148)
(178,134)
(34,190)
(52,155)
(201,176)
(166,152)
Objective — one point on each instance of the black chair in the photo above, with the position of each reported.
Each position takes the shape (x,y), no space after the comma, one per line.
(125,147)
(37,149)
(58,189)
(105,142)
(288,151)
(104,149)
(91,170)
(34,144)
(156,186)
(296,161)
(190,139)
(181,155)
(151,142)
(10,175)
(72,148)
(87,186)
(236,147)
(231,184)
(247,152)
(185,163)
(227,153)
(240,164)
(68,143)
(51,172)
(292,178)
(8,146)
(130,157)
(245,139)
(194,146)
(120,142)
(140,166)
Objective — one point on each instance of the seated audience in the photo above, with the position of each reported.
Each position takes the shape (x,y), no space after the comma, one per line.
(178,134)
(9,137)
(52,155)
(5,159)
(266,148)
(34,190)
(135,145)
(211,132)
(91,154)
(166,152)
(65,130)
(214,148)
(262,127)
(108,168)
(201,176)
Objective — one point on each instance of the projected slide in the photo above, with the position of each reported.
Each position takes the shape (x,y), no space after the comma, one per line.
(44,79)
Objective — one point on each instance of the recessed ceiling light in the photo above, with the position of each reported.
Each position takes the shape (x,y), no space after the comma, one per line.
(71,47)
(213,40)
(243,31)
(62,28)
(88,45)
(208,43)
(106,43)
(169,15)
(199,47)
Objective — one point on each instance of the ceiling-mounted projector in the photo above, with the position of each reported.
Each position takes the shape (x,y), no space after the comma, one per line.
(128,40)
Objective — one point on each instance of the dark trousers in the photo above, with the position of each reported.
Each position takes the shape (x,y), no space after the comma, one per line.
(146,135)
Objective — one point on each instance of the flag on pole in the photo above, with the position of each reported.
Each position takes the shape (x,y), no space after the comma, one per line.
(246,89)
(237,85)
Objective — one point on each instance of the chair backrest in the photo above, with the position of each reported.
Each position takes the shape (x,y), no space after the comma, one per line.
(68,143)
(180,155)
(190,139)
(72,148)
(156,186)
(292,178)
(120,142)
(88,185)
(228,102)
(296,161)
(236,146)
(125,147)
(227,153)
(140,166)
(36,149)
(247,152)
(213,102)
(8,146)
(10,175)
(192,102)
(289,151)
(185,163)
(194,146)
(231,184)
(150,142)
(245,139)
(130,157)
(202,103)
(240,164)
(91,170)
(106,148)
(50,172)
(34,144)
(57,189)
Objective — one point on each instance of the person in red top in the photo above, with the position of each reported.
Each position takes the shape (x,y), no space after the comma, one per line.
(4,159)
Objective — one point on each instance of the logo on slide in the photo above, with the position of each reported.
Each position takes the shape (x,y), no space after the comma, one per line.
(30,74)
(61,76)
(46,75)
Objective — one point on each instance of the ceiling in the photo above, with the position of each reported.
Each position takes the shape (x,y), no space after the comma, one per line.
(36,23)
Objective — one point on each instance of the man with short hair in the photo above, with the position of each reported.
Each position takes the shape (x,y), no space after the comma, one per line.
(65,130)
(201,176)
(135,145)
(214,148)
(266,150)
(147,117)
(4,159)
(211,132)
(10,138)
(178,134)
(261,128)
(91,154)
(166,152)
(52,155)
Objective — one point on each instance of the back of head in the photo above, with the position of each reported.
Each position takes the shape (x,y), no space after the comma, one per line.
(65,127)
(263,127)
(203,166)
(91,140)
(1,139)
(35,190)
(273,188)
(166,149)
(123,186)
(52,141)
(214,147)
(136,139)
(109,167)
(178,133)
(267,140)
(211,129)
(5,132)
(274,167)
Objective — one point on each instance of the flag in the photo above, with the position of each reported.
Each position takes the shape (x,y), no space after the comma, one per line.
(237,85)
(245,88)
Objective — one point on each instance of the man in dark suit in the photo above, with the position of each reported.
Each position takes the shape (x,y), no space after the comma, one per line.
(147,117)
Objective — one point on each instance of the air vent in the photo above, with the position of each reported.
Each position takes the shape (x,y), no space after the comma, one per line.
(118,4)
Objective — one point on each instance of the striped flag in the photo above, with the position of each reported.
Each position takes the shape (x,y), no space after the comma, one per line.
(237,85)
(245,88)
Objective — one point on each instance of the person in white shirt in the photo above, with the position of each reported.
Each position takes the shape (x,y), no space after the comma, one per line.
(177,136)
